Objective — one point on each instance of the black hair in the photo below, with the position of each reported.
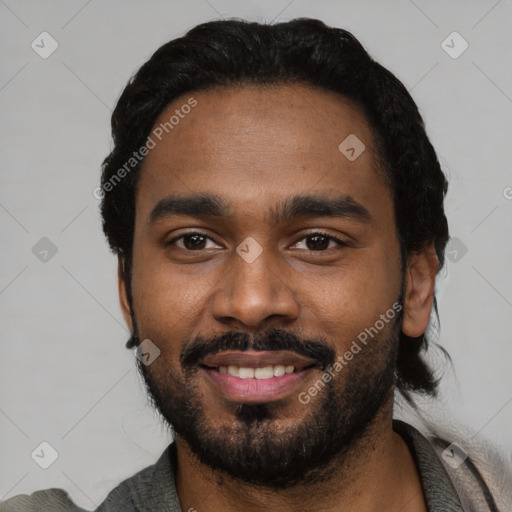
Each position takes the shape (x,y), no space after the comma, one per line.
(235,52)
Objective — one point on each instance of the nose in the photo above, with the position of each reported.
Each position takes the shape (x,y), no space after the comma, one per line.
(254,294)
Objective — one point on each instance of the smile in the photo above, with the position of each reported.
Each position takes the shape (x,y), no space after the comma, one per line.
(253,377)
(263,372)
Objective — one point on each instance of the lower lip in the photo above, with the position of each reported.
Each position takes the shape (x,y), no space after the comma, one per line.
(257,390)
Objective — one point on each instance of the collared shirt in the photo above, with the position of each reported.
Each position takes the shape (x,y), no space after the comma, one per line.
(153,489)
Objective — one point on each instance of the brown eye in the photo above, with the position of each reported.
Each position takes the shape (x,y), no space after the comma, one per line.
(192,242)
(319,242)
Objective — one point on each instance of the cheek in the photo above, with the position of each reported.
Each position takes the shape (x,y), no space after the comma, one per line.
(161,291)
(348,300)
(161,306)
(163,312)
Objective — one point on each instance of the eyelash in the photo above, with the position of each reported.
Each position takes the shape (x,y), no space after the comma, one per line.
(321,233)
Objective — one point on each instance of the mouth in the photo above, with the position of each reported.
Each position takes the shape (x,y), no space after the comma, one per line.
(252,377)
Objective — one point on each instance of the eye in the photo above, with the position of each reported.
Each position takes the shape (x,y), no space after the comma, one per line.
(319,241)
(193,242)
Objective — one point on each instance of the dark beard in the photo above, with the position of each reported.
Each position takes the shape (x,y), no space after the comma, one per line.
(251,449)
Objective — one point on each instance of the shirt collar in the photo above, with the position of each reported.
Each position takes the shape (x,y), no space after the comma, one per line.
(438,489)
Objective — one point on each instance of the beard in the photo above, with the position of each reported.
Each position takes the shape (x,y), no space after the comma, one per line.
(255,448)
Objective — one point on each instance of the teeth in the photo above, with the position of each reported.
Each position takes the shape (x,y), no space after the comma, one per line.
(279,370)
(246,373)
(233,370)
(265,372)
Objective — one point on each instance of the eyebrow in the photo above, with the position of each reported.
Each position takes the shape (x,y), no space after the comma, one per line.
(203,205)
(209,205)
(344,207)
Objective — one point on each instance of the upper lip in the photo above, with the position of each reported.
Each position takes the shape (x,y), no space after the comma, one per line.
(257,359)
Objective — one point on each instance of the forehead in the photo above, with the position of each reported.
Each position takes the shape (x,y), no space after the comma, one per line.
(255,142)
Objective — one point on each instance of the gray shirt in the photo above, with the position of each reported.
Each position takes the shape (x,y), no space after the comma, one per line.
(153,489)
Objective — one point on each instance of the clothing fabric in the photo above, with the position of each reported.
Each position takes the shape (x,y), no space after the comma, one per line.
(153,489)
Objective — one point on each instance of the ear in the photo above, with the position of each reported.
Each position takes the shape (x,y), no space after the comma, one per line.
(420,280)
(123,291)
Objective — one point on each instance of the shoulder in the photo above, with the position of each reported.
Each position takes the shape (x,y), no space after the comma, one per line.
(149,490)
(49,500)
(145,491)
(481,476)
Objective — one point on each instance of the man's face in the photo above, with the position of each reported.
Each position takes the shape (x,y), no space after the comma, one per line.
(254,278)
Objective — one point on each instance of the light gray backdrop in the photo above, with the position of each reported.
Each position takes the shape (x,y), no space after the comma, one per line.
(66,377)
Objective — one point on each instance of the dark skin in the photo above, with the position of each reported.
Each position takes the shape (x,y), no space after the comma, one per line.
(255,148)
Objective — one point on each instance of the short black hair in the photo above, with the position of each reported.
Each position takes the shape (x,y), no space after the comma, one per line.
(236,52)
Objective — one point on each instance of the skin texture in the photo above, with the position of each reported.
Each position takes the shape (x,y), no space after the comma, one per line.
(255,147)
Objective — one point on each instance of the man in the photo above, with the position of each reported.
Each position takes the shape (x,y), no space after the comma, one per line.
(277,211)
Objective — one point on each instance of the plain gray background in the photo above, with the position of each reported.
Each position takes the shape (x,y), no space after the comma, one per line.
(66,377)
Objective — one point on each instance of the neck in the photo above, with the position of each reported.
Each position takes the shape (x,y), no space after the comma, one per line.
(377,474)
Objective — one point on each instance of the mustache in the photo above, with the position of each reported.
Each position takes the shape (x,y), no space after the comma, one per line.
(273,340)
